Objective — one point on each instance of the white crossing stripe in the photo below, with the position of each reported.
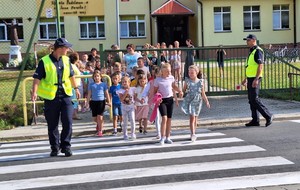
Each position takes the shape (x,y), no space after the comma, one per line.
(92,139)
(129,158)
(227,183)
(143,172)
(122,148)
(296,121)
(100,143)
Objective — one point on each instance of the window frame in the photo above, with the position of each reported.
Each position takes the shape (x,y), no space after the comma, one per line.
(252,13)
(98,20)
(137,22)
(221,15)
(7,32)
(279,23)
(47,24)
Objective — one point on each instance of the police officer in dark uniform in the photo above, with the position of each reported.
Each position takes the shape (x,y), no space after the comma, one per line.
(53,81)
(254,71)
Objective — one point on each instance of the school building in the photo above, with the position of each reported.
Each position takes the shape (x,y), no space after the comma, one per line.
(209,23)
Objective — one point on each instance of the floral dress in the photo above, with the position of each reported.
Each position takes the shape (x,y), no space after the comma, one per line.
(192,102)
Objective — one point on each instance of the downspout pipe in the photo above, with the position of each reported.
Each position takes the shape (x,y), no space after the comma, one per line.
(118,22)
(295,24)
(202,32)
(150,18)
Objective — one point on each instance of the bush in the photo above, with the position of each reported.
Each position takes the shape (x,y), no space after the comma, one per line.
(12,115)
(42,53)
(1,65)
(3,62)
(30,64)
(4,125)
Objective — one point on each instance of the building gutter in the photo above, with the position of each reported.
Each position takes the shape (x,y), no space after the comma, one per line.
(202,33)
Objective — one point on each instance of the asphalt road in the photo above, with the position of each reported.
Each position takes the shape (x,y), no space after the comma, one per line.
(231,158)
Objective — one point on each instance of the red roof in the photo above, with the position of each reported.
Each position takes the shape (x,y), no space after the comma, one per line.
(172,7)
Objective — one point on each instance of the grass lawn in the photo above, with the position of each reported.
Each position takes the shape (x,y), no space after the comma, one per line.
(275,75)
(8,81)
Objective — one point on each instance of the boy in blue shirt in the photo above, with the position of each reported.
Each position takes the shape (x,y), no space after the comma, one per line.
(116,103)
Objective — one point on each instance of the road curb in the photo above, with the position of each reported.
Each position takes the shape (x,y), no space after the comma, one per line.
(208,124)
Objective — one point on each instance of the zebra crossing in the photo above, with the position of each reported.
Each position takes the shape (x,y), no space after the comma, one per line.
(215,161)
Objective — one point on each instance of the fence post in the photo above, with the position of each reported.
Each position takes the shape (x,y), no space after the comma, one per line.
(208,75)
(24,100)
(102,57)
(290,78)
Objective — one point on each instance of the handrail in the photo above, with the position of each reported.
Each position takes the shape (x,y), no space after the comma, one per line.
(25,102)
(290,75)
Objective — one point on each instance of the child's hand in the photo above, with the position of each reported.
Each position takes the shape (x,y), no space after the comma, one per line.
(160,102)
(244,82)
(108,104)
(142,101)
(177,103)
(180,94)
(207,104)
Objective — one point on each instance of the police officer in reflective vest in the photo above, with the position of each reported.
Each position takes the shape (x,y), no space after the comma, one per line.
(254,72)
(53,81)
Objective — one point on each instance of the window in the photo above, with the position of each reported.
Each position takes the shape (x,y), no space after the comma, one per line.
(251,18)
(47,28)
(222,19)
(92,27)
(281,17)
(5,29)
(132,26)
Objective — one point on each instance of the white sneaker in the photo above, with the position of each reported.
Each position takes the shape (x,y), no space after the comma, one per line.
(133,136)
(125,137)
(193,138)
(162,141)
(168,141)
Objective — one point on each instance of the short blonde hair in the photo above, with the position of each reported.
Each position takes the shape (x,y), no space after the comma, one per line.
(195,68)
(125,78)
(165,66)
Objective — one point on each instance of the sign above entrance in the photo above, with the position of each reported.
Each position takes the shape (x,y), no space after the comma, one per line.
(74,7)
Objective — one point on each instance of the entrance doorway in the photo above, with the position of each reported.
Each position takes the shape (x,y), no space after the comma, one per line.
(172,28)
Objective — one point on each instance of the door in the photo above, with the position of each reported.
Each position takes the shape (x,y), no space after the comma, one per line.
(172,28)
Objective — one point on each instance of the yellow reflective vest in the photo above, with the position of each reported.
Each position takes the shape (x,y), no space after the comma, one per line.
(48,86)
(251,65)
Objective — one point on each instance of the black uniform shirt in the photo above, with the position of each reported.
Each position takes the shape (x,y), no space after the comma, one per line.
(40,73)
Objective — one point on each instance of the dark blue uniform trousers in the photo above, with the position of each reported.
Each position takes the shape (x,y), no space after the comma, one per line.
(55,109)
(256,104)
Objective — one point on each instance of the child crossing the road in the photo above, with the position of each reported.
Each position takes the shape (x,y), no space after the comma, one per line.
(97,95)
(142,107)
(126,94)
(192,102)
(116,103)
(165,84)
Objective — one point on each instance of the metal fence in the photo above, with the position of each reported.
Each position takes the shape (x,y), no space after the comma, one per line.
(275,77)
